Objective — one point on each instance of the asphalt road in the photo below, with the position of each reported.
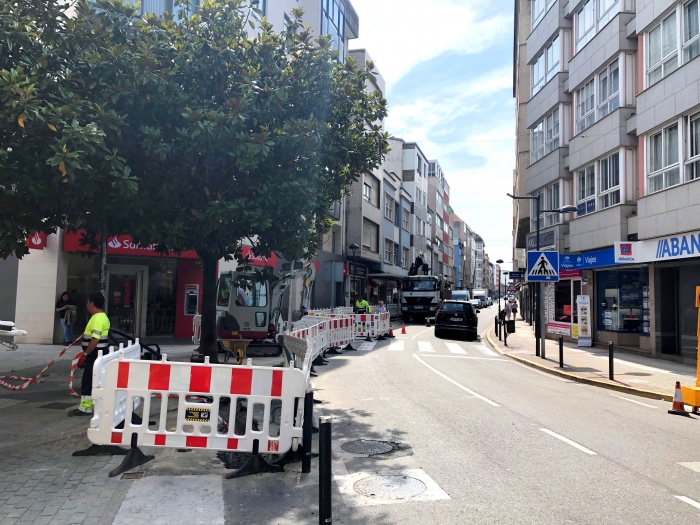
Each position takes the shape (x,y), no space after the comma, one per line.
(497,442)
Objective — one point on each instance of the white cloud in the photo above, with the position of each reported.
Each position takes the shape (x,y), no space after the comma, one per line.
(398,34)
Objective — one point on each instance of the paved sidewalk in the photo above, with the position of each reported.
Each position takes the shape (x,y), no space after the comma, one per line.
(634,374)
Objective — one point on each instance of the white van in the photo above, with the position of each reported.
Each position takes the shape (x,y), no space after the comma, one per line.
(460,295)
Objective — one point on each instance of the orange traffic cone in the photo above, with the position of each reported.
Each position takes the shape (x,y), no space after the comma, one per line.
(427,322)
(403,328)
(678,408)
(391,333)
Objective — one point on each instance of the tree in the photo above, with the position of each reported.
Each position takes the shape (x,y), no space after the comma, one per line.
(230,136)
(56,170)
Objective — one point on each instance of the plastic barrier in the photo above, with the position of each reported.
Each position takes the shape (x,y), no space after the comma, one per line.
(99,370)
(264,391)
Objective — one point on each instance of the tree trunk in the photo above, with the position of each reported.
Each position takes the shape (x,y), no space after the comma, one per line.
(103,265)
(208,344)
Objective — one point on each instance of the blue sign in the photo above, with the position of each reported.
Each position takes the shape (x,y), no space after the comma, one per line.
(542,266)
(516,276)
(584,261)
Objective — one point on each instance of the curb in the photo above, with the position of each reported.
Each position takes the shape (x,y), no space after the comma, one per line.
(566,375)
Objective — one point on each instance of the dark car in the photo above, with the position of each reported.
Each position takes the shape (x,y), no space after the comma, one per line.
(457,316)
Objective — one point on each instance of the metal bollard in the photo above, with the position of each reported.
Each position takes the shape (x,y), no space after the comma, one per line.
(325,515)
(561,351)
(306,437)
(498,328)
(611,361)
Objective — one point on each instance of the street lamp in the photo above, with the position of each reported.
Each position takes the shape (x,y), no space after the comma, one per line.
(539,332)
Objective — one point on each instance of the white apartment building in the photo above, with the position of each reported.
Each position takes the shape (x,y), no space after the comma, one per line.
(609,93)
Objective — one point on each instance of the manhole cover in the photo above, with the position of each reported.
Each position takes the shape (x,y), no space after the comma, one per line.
(58,406)
(390,487)
(367,447)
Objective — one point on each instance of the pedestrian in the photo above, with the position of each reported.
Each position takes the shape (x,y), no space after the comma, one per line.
(95,337)
(382,308)
(67,311)
(514,308)
(508,309)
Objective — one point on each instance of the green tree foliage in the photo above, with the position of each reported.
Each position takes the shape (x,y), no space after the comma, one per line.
(225,130)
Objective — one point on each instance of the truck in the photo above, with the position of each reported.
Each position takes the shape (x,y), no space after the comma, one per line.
(421,294)
(460,295)
(482,295)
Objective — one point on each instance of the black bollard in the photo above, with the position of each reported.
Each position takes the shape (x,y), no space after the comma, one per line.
(611,361)
(307,430)
(325,515)
(561,351)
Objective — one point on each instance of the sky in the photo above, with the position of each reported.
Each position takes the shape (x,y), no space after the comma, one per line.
(448,67)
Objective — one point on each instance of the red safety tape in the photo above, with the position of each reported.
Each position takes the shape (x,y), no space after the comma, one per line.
(35,379)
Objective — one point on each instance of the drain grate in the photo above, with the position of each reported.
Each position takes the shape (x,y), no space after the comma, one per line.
(132,475)
(5,402)
(390,487)
(367,446)
(58,406)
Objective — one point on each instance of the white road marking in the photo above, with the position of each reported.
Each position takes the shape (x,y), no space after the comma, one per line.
(633,401)
(425,346)
(420,333)
(456,383)
(455,348)
(689,501)
(486,351)
(567,440)
(396,346)
(695,465)
(366,347)
(469,357)
(149,501)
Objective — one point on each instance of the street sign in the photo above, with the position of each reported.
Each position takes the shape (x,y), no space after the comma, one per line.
(512,287)
(543,266)
(515,276)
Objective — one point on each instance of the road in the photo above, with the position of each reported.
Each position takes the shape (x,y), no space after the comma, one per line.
(505,443)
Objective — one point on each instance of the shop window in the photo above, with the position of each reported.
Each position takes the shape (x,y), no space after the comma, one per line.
(562,302)
(620,300)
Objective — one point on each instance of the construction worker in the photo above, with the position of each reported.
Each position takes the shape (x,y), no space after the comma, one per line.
(362,306)
(94,339)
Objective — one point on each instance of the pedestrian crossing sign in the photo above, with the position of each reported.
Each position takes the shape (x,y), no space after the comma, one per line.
(543,266)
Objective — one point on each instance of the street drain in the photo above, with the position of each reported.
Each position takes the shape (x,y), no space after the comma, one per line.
(390,487)
(367,447)
(132,475)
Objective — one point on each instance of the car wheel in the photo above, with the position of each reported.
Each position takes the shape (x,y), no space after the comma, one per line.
(438,333)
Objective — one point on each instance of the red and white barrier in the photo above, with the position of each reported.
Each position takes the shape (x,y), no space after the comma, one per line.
(37,378)
(196,421)
(99,370)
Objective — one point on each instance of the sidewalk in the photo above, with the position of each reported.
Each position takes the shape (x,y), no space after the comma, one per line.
(634,374)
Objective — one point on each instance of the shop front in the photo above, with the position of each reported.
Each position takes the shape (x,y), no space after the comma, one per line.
(358,281)
(147,294)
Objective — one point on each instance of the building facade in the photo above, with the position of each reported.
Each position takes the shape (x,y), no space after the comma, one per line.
(613,113)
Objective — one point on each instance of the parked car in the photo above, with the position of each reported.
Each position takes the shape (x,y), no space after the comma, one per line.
(458,316)
(490,301)
(476,303)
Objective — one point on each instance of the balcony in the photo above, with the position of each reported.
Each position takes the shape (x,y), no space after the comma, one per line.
(550,24)
(547,98)
(548,169)
(599,229)
(606,135)
(670,211)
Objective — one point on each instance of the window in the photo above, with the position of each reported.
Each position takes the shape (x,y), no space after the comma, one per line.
(662,54)
(404,258)
(585,106)
(537,143)
(388,251)
(261,6)
(545,136)
(249,293)
(552,55)
(691,31)
(538,74)
(552,132)
(590,20)
(586,190)
(370,190)
(608,90)
(333,24)
(585,24)
(552,203)
(420,165)
(609,181)
(389,207)
(405,219)
(692,165)
(370,236)
(396,254)
(367,192)
(663,159)
(539,8)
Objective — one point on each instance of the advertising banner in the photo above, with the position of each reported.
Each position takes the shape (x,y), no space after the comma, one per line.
(583,303)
